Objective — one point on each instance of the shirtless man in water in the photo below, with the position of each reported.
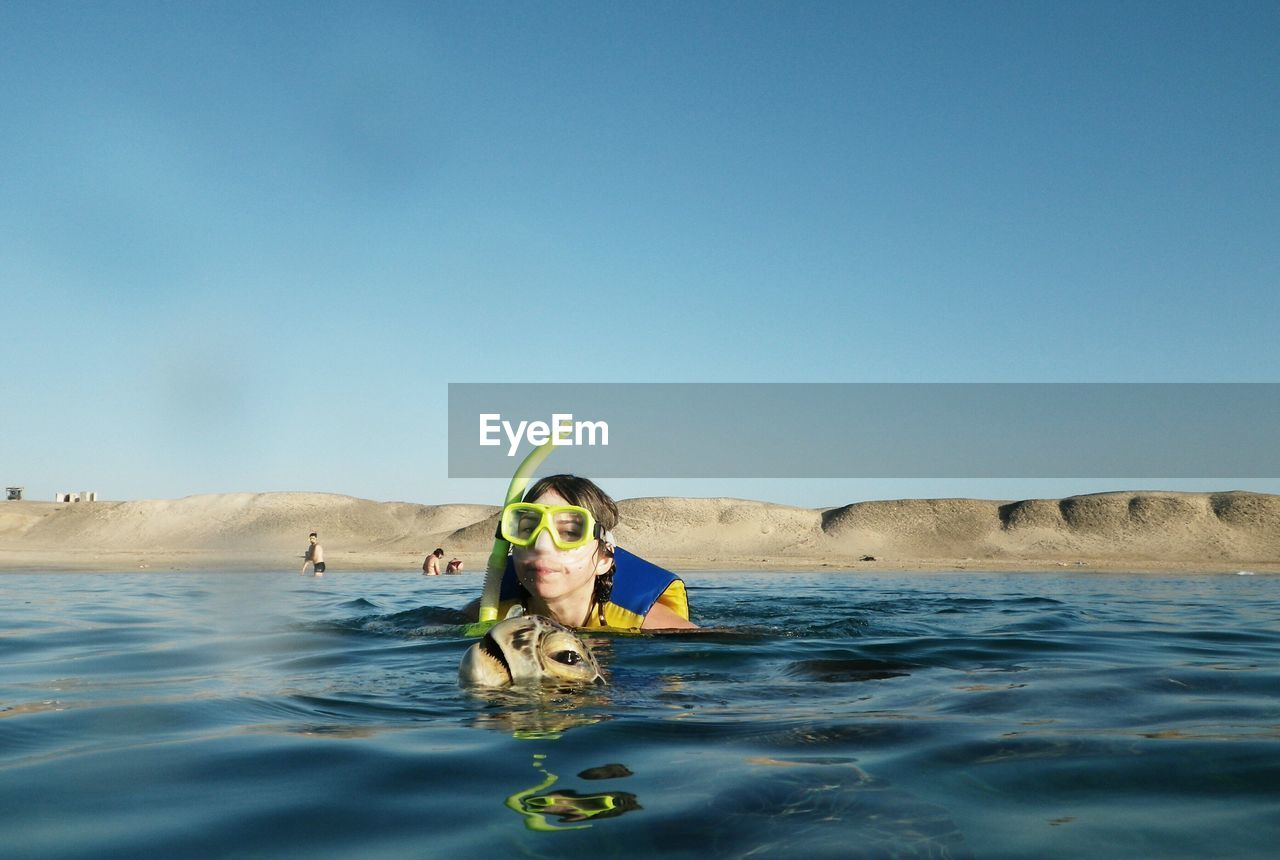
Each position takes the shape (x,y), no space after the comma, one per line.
(431,567)
(314,556)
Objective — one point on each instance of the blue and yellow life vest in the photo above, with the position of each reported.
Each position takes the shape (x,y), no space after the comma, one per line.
(637,586)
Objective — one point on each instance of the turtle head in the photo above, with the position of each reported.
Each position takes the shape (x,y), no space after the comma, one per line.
(529,649)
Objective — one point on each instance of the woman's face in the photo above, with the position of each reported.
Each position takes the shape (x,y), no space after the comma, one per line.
(553,574)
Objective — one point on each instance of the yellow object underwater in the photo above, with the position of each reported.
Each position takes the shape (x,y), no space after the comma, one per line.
(534,819)
(567,804)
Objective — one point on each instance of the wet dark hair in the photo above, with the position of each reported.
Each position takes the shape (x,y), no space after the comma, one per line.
(313,534)
(439,553)
(584,493)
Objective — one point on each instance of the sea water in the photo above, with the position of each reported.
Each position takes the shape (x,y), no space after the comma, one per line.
(837,714)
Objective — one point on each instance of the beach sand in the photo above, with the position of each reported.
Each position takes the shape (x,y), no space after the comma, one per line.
(1131,531)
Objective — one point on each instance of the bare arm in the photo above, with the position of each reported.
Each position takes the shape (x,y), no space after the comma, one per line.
(664,618)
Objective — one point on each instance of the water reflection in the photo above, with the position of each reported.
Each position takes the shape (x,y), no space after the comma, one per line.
(571,808)
(539,713)
(546,712)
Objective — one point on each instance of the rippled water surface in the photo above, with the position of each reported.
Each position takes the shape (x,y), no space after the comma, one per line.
(841,715)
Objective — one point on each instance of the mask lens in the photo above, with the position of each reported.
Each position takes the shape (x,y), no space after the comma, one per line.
(520,524)
(570,526)
(527,523)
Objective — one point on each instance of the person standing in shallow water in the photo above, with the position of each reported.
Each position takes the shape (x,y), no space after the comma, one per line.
(431,567)
(314,556)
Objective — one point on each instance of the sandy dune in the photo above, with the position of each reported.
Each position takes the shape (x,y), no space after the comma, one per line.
(1129,530)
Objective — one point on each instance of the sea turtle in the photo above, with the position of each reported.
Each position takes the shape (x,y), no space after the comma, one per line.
(529,649)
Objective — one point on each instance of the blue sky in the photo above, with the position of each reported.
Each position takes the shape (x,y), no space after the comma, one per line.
(246,246)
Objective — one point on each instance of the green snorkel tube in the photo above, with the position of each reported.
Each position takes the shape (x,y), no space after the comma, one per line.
(498,555)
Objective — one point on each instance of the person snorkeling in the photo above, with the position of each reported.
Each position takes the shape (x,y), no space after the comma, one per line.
(565,565)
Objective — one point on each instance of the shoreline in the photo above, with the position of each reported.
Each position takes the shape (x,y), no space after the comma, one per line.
(38,561)
(1138,531)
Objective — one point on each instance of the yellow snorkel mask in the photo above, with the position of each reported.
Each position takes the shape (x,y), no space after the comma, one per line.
(569,526)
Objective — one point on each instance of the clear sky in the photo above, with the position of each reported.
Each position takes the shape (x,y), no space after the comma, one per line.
(244,246)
